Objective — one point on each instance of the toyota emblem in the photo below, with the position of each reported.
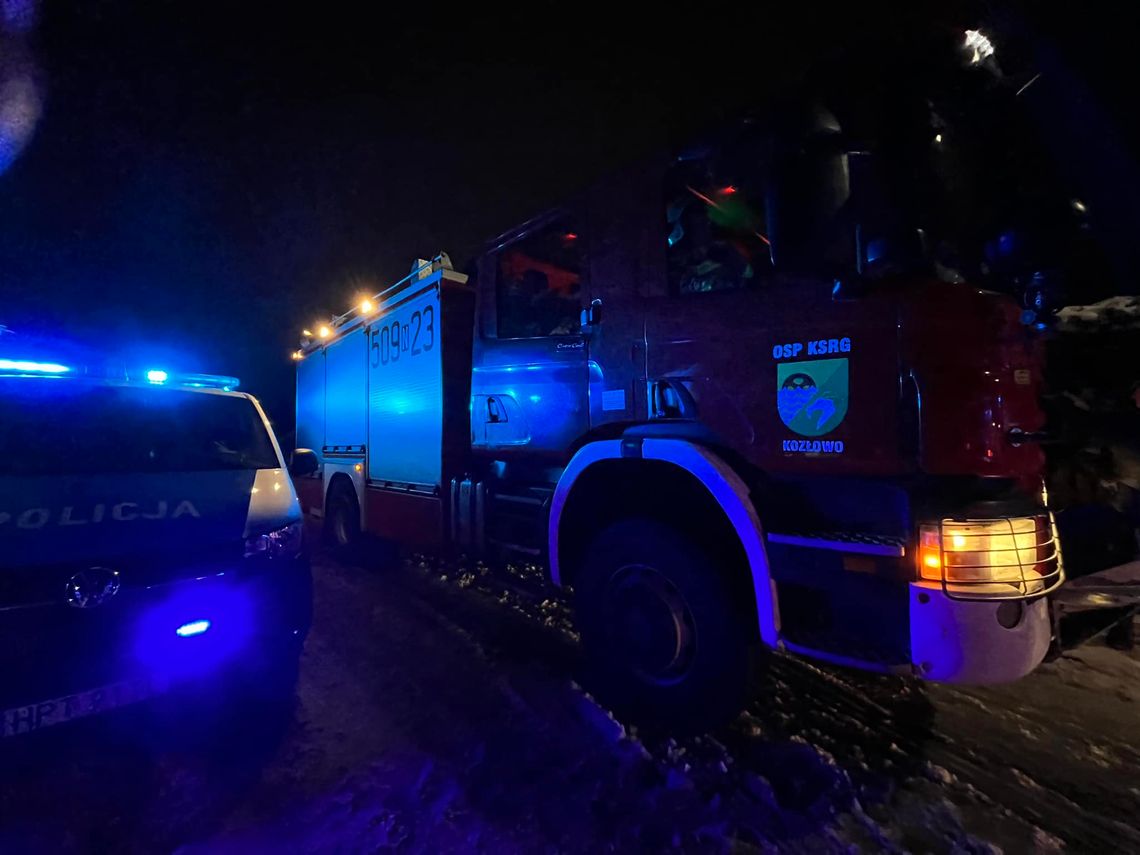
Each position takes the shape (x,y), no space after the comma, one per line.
(92,587)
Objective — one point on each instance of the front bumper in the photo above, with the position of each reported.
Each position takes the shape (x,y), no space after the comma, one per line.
(980,610)
(51,651)
(964,641)
(975,641)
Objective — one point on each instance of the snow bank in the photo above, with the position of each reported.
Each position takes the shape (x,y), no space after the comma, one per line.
(1121,312)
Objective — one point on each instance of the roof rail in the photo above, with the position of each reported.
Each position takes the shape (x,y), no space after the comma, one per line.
(421,268)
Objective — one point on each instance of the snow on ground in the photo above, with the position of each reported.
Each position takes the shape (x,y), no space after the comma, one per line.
(440,710)
(1120,312)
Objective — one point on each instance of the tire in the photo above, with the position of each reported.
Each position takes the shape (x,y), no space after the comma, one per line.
(667,641)
(342,520)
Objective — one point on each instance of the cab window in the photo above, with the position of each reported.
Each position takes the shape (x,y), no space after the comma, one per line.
(715,229)
(538,283)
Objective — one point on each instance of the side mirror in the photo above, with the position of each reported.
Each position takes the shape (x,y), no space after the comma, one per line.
(304,462)
(852,286)
(592,315)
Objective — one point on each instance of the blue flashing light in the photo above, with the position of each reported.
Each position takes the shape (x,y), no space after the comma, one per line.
(25,366)
(194,631)
(195,627)
(155,376)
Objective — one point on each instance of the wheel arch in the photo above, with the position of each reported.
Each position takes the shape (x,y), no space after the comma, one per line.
(613,479)
(345,477)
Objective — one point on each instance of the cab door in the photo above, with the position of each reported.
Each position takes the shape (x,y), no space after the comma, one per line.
(529,383)
(625,230)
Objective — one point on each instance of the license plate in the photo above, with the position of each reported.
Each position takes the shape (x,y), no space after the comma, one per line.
(20,720)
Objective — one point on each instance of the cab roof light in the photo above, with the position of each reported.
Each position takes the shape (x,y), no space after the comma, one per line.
(366,305)
(978,45)
(27,366)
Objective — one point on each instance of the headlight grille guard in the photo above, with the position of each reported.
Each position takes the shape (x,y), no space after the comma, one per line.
(989,559)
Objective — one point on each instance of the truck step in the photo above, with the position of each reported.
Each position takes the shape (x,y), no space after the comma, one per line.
(514,547)
(536,501)
(843,541)
(841,648)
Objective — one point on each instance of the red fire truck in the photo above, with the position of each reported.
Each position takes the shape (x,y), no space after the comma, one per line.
(740,396)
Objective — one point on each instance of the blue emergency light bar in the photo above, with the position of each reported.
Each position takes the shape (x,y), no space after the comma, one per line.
(27,366)
(161,377)
(153,376)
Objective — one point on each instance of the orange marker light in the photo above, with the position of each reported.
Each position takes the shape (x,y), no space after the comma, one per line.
(930,553)
(931,567)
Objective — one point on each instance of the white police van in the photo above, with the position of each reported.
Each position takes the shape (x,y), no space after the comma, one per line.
(150,537)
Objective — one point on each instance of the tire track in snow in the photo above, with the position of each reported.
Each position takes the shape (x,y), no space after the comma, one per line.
(975,765)
(867,726)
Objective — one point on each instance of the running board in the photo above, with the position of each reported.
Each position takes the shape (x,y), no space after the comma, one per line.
(865,544)
(845,661)
(515,547)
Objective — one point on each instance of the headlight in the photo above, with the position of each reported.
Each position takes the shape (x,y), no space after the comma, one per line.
(991,559)
(284,542)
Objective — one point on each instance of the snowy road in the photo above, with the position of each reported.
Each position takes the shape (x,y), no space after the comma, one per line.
(439,712)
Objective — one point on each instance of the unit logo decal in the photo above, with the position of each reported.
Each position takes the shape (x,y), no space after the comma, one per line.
(812,396)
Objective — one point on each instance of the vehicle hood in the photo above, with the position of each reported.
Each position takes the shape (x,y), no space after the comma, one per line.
(100,518)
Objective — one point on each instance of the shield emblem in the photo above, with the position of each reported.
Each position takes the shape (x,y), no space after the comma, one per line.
(812,396)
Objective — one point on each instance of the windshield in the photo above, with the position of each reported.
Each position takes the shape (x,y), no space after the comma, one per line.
(56,427)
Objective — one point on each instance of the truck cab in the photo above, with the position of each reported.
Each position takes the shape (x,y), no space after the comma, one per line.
(866,432)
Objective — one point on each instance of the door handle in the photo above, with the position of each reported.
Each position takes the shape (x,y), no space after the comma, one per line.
(495,410)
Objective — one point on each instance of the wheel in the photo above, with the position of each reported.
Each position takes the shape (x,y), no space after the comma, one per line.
(666,638)
(342,519)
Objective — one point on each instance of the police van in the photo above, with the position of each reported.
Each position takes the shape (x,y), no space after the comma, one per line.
(150,538)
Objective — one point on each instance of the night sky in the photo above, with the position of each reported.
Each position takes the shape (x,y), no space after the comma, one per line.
(202,182)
